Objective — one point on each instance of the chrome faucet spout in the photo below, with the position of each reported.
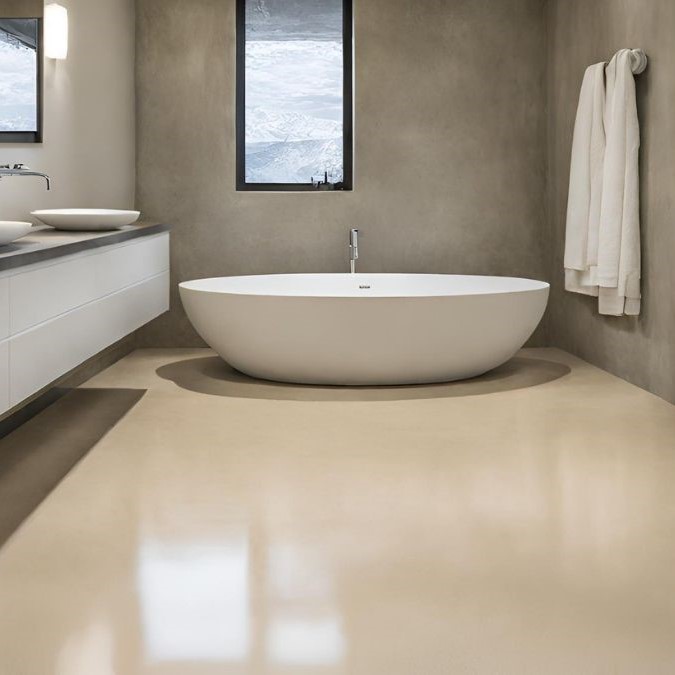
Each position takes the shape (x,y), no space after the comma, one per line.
(353,250)
(21,170)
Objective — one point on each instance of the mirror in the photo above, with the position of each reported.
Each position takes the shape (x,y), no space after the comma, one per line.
(20,80)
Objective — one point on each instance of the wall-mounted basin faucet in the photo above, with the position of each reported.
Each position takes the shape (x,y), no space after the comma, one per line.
(353,249)
(22,170)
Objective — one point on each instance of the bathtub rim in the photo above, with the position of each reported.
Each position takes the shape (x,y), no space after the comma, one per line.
(535,286)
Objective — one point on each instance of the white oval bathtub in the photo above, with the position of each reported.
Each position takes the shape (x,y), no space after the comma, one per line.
(365,329)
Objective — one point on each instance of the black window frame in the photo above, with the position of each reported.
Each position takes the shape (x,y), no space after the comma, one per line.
(31,136)
(348,114)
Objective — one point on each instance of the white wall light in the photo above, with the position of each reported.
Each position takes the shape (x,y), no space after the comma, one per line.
(56,31)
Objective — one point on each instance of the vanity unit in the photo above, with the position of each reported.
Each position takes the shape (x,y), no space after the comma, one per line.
(65,297)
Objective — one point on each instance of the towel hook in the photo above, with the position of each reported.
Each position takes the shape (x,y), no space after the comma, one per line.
(638,61)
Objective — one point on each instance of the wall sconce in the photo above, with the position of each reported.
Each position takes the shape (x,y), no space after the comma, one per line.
(56,31)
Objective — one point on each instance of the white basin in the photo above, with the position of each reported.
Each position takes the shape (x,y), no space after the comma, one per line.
(11,230)
(86,219)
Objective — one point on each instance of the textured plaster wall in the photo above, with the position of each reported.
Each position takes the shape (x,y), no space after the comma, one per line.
(640,350)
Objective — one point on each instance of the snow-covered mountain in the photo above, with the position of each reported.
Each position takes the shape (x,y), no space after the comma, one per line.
(294,19)
(18,87)
(266,126)
(293,102)
(15,118)
(294,162)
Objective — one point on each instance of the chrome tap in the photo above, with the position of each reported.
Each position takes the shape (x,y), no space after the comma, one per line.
(22,170)
(353,249)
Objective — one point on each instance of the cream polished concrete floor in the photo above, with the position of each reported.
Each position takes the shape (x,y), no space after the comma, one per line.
(522,523)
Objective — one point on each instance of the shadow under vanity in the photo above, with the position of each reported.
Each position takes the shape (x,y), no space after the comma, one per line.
(67,296)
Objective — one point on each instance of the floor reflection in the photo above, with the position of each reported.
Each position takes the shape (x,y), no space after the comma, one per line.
(227,604)
(305,626)
(305,640)
(211,375)
(195,601)
(216,535)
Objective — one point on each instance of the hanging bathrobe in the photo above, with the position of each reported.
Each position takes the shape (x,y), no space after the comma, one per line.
(619,237)
(585,191)
(602,245)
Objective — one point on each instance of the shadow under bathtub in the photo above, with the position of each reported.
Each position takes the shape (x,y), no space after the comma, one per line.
(210,375)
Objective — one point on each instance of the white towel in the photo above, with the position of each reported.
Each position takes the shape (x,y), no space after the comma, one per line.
(585,192)
(619,241)
(602,245)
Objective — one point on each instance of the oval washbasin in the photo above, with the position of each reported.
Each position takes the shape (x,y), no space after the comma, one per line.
(86,219)
(11,230)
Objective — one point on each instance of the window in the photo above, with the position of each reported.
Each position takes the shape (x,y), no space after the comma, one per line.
(20,80)
(294,95)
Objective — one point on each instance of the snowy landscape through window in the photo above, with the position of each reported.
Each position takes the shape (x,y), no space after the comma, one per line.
(294,101)
(19,77)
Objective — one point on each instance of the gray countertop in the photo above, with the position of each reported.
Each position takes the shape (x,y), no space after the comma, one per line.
(46,243)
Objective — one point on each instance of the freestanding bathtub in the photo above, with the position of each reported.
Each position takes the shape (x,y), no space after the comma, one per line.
(365,329)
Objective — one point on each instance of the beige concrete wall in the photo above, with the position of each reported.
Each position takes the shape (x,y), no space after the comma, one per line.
(450,147)
(89,130)
(641,350)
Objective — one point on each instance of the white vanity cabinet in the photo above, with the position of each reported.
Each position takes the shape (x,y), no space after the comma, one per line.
(56,314)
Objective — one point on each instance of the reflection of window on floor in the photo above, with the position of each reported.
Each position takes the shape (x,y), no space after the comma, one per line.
(305,628)
(294,119)
(229,603)
(305,640)
(195,601)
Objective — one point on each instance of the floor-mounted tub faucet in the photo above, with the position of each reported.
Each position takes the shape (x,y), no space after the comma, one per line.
(21,170)
(353,249)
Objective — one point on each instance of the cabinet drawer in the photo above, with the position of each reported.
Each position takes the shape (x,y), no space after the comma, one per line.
(43,354)
(4,308)
(46,292)
(4,376)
